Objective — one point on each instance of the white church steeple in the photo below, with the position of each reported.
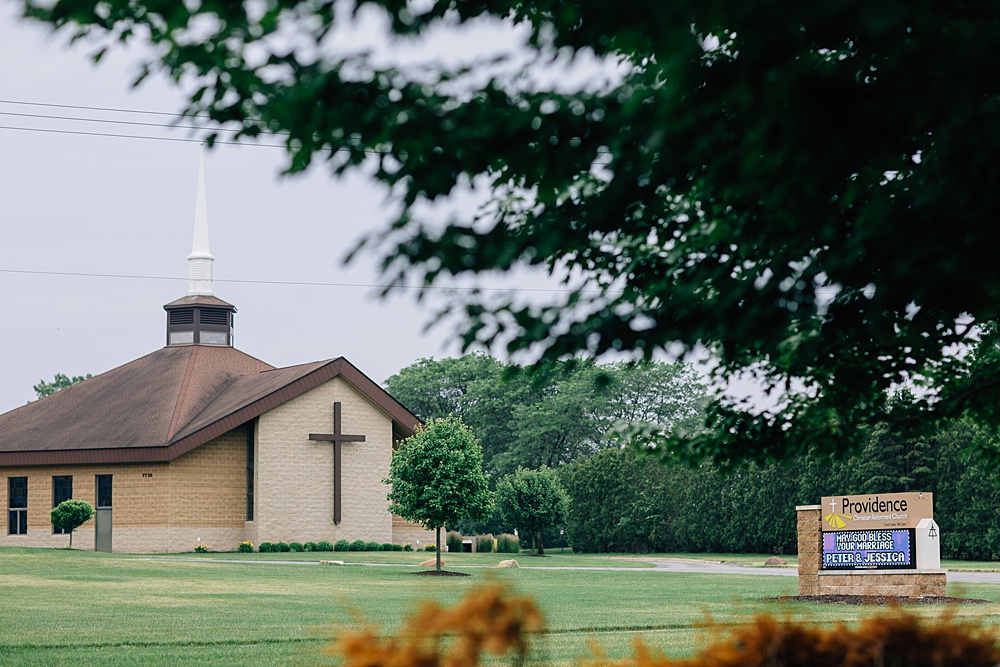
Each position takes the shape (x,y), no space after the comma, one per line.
(200,317)
(200,260)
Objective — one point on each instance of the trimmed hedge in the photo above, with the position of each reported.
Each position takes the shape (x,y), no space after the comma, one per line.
(484,543)
(508,544)
(453,542)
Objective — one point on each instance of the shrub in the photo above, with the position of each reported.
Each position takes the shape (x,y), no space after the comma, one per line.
(357,545)
(323,545)
(342,545)
(70,515)
(281,546)
(508,544)
(202,548)
(309,546)
(438,635)
(265,547)
(431,547)
(407,546)
(487,620)
(373,546)
(453,542)
(397,547)
(484,543)
(388,546)
(295,546)
(245,547)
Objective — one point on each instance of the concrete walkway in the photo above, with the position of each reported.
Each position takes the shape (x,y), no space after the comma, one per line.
(659,565)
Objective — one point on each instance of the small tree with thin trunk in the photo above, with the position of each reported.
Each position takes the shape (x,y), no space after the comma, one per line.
(533,501)
(437,478)
(70,515)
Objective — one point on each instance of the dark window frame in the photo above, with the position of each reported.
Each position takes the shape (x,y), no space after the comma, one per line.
(17,507)
(100,496)
(63,484)
(250,468)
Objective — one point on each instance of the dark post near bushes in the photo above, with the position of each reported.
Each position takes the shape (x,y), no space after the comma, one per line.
(70,515)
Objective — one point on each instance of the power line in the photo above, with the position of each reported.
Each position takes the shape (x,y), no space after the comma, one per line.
(105,121)
(290,282)
(86,108)
(132,136)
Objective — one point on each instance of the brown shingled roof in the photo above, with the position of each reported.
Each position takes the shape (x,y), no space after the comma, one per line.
(198,300)
(165,404)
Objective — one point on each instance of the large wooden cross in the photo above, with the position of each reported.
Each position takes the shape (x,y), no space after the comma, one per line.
(337,438)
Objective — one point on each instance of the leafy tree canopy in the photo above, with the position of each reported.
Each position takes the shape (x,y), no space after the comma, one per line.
(808,188)
(551,414)
(437,477)
(60,381)
(70,515)
(533,501)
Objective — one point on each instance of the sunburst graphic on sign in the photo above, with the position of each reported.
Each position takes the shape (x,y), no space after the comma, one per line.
(836,520)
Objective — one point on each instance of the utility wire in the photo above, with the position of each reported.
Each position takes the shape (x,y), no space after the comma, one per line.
(85,108)
(293,282)
(124,122)
(132,136)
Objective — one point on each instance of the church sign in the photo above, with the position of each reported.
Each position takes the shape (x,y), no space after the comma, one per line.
(873,531)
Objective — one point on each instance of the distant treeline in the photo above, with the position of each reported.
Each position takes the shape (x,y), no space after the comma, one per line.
(561,416)
(625,502)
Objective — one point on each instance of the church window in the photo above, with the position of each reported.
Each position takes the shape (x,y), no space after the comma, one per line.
(104,490)
(250,463)
(17,505)
(62,489)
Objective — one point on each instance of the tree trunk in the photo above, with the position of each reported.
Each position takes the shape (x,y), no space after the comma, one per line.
(538,543)
(71,539)
(439,548)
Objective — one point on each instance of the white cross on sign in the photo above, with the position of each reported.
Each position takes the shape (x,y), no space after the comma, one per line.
(833,505)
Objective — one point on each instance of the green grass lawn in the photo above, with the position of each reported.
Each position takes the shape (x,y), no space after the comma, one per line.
(83,608)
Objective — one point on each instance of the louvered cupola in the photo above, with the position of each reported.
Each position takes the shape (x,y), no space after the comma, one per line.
(200,318)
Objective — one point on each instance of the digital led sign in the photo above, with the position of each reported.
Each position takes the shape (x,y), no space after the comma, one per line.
(869,550)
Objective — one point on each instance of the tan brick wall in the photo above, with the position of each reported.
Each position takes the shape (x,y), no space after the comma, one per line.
(412,533)
(813,581)
(880,582)
(294,490)
(808,518)
(157,507)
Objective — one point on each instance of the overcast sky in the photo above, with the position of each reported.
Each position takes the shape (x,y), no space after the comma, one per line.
(82,204)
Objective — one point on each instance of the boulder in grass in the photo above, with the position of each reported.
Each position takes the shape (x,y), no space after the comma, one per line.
(774,560)
(508,563)
(432,562)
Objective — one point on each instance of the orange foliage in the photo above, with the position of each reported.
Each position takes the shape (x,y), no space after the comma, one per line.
(488,619)
(491,620)
(894,639)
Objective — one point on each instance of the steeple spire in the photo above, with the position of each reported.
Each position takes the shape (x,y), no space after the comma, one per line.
(200,260)
(200,318)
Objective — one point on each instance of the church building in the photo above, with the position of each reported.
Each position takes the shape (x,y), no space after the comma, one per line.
(198,442)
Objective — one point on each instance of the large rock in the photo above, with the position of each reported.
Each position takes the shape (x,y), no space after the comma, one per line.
(431,562)
(774,560)
(508,563)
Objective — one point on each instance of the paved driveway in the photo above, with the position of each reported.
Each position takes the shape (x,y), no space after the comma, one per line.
(663,565)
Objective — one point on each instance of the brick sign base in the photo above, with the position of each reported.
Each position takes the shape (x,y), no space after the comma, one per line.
(813,581)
